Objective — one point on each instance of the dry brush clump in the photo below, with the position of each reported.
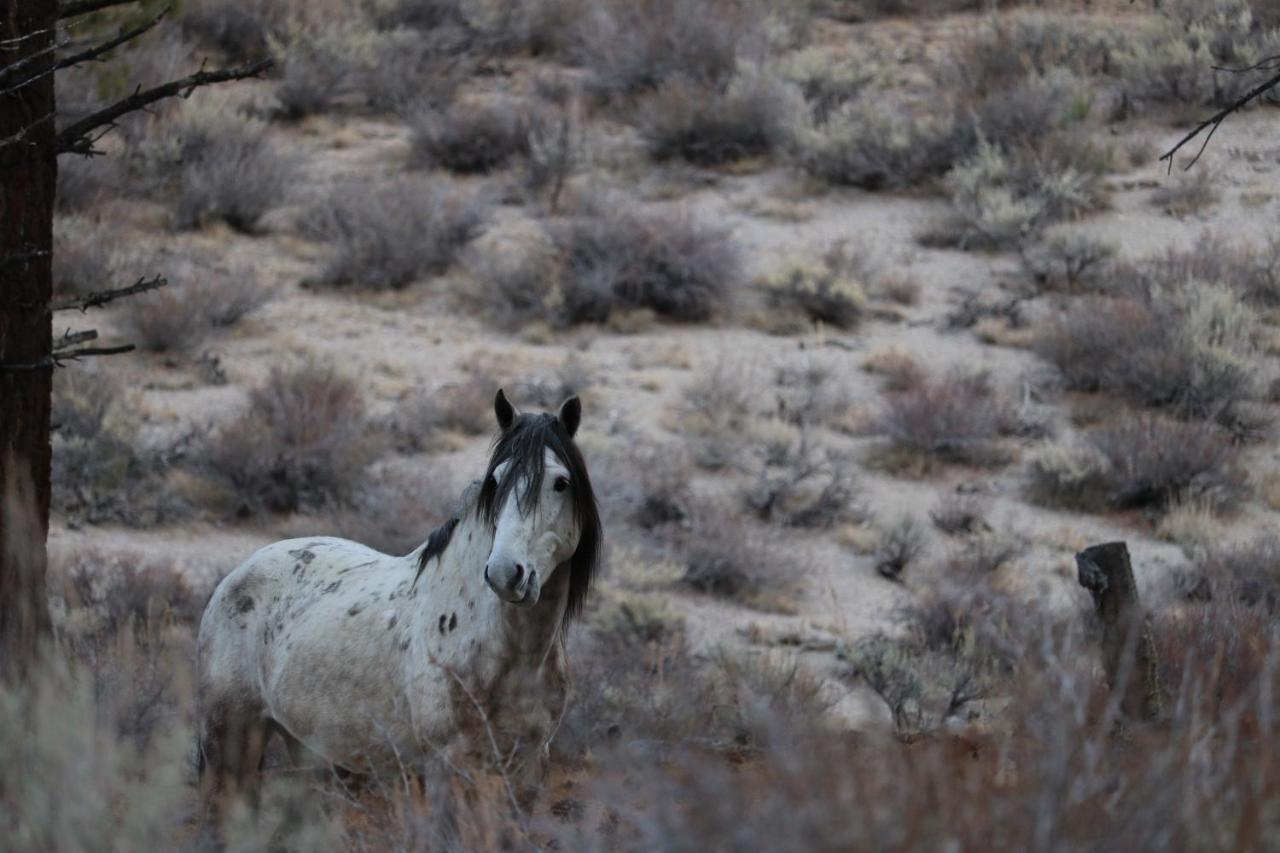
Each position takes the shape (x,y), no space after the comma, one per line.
(472,137)
(391,234)
(802,484)
(1183,344)
(752,115)
(607,256)
(103,472)
(632,47)
(216,165)
(733,559)
(831,288)
(958,417)
(1140,460)
(303,442)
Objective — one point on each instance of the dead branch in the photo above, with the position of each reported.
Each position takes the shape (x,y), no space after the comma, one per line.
(70,339)
(1213,122)
(90,54)
(102,297)
(71,8)
(76,138)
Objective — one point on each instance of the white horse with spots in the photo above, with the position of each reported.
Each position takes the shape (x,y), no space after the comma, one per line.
(375,662)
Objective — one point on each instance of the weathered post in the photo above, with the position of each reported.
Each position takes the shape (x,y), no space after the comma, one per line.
(1128,645)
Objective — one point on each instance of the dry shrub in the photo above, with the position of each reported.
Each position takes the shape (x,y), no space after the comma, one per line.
(240,31)
(1186,195)
(900,371)
(85,257)
(812,393)
(304,441)
(718,412)
(1184,345)
(802,484)
(960,515)
(1004,51)
(728,559)
(829,289)
(1068,261)
(83,181)
(311,69)
(102,472)
(629,46)
(464,406)
(875,145)
(1142,460)
(1188,53)
(751,116)
(1249,571)
(217,165)
(826,81)
(618,256)
(983,554)
(953,418)
(405,72)
(899,545)
(198,298)
(472,137)
(390,234)
(1000,199)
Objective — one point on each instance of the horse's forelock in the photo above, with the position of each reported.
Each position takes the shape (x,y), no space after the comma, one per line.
(523,447)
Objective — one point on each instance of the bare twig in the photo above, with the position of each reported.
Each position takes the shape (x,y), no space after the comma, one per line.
(102,297)
(76,138)
(70,339)
(1213,122)
(90,54)
(71,8)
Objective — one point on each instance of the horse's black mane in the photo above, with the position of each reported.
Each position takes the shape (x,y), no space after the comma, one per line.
(522,445)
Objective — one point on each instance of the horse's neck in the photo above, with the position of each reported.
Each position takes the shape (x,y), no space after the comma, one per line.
(505,636)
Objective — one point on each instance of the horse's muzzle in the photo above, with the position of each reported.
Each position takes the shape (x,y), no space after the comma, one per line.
(512,582)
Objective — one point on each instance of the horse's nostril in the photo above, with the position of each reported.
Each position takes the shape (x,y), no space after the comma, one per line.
(519,572)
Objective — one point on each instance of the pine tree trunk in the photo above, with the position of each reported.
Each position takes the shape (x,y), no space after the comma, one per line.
(28,169)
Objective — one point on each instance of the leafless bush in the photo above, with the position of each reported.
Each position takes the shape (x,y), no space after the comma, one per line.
(82,181)
(407,72)
(871,144)
(616,256)
(729,559)
(718,411)
(464,406)
(985,553)
(555,153)
(1000,198)
(811,393)
(1068,260)
(630,47)
(198,298)
(1249,570)
(310,72)
(236,29)
(472,137)
(830,289)
(388,235)
(302,442)
(217,166)
(102,473)
(801,484)
(751,116)
(1184,345)
(900,545)
(956,418)
(1141,460)
(128,591)
(960,515)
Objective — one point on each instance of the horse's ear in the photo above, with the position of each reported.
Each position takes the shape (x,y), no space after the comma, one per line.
(571,415)
(504,410)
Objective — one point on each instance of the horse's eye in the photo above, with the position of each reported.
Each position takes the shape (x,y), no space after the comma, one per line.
(561,484)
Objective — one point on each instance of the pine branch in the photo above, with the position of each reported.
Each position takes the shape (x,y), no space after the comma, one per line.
(1213,122)
(102,297)
(91,53)
(76,139)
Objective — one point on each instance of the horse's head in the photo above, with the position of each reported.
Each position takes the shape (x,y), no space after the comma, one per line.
(538,497)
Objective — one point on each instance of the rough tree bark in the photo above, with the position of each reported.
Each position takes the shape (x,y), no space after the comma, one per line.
(28,172)
(1128,646)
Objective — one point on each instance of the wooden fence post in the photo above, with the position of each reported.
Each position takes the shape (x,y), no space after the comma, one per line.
(1128,644)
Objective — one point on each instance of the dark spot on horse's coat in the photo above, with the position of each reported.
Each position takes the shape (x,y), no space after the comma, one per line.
(355,608)
(333,587)
(303,555)
(442,621)
(391,623)
(453,621)
(405,644)
(244,604)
